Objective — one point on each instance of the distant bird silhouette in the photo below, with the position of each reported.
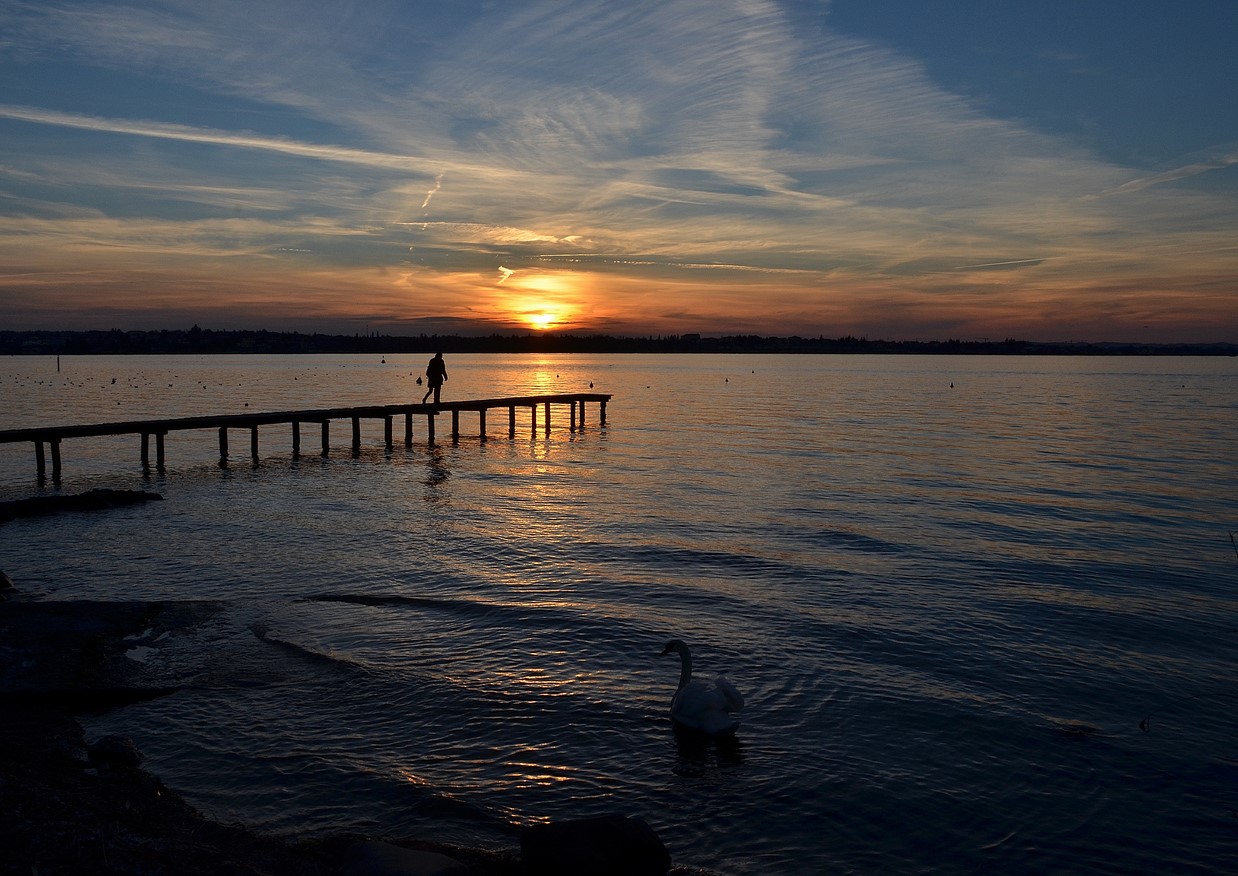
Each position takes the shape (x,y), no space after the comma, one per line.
(699,705)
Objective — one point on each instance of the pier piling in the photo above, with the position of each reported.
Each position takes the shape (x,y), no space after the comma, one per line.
(44,436)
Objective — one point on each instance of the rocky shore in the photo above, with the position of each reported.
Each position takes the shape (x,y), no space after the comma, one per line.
(91,500)
(73,806)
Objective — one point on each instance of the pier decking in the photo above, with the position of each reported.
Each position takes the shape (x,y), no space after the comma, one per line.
(51,436)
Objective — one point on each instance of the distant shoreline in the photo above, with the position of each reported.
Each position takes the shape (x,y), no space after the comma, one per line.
(198,341)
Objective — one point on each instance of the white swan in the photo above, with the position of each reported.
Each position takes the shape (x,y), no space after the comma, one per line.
(699,705)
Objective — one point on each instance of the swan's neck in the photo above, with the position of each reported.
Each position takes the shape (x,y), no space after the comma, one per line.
(685,667)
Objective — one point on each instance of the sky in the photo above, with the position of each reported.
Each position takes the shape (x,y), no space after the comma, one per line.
(1048,171)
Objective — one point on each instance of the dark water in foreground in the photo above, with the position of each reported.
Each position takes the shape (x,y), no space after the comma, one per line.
(950,607)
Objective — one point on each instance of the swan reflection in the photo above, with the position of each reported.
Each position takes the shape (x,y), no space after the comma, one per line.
(700,755)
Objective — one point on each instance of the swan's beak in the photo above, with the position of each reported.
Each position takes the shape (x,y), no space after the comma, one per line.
(665,651)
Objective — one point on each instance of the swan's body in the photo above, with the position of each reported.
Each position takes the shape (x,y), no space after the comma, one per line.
(700,705)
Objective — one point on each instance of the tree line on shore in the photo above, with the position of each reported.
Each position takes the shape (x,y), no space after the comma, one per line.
(198,340)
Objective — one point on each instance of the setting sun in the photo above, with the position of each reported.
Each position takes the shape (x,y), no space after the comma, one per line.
(542,321)
(543,300)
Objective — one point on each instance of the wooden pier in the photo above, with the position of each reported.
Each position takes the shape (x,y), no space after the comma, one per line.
(47,438)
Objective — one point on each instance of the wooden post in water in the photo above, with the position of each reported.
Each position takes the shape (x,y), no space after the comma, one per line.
(160,428)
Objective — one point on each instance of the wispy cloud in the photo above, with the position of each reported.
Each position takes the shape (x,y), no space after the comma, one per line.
(1227,158)
(694,147)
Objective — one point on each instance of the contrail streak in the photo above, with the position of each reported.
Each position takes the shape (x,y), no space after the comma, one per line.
(1001,264)
(438,184)
(188,134)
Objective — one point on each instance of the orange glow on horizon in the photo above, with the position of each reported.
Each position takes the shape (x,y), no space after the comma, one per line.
(542,321)
(544,301)
(1051,302)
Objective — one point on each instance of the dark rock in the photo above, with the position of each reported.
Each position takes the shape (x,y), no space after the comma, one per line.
(91,500)
(377,858)
(71,655)
(84,700)
(115,750)
(60,816)
(610,845)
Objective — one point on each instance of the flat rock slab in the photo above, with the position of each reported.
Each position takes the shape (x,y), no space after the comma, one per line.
(375,858)
(72,654)
(91,500)
(609,845)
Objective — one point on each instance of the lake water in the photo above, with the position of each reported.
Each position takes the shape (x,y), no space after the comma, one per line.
(951,589)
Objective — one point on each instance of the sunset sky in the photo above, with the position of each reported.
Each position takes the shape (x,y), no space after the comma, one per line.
(1049,170)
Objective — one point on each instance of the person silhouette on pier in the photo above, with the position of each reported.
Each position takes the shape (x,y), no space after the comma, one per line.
(436,373)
